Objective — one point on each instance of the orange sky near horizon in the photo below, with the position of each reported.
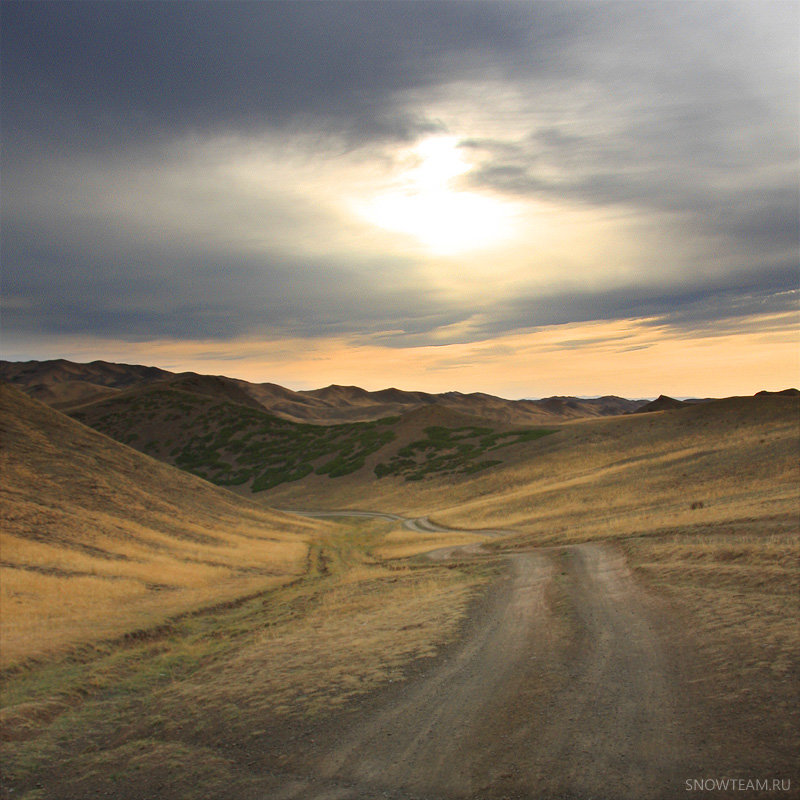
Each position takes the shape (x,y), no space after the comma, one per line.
(629,359)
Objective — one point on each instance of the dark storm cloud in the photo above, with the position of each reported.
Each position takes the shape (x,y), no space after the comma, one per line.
(102,282)
(681,114)
(93,71)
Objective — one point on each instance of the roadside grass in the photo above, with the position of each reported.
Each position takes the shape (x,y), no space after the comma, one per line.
(207,691)
(736,593)
(403,543)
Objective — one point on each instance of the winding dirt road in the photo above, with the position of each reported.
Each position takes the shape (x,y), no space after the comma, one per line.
(418,524)
(560,689)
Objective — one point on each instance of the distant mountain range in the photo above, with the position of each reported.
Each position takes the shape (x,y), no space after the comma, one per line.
(255,437)
(66,385)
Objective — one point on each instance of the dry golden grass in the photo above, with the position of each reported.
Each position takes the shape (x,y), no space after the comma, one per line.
(403,543)
(727,576)
(98,540)
(104,719)
(43,614)
(363,630)
(610,478)
(736,597)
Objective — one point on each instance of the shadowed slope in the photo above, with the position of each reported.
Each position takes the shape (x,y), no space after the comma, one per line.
(102,373)
(231,444)
(212,386)
(46,380)
(661,403)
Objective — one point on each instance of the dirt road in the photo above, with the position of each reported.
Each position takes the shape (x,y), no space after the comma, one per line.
(418,524)
(560,690)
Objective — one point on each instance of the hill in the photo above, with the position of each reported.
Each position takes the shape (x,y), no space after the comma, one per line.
(64,384)
(59,383)
(102,373)
(661,403)
(208,432)
(99,540)
(70,394)
(786,392)
(212,386)
(573,407)
(713,463)
(733,458)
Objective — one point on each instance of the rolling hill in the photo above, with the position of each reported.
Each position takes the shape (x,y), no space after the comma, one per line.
(99,540)
(733,459)
(208,427)
(60,384)
(65,384)
(661,403)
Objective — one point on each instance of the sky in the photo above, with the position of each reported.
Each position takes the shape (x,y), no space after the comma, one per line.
(524,199)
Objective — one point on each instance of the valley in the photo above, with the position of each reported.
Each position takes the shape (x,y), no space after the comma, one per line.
(428,604)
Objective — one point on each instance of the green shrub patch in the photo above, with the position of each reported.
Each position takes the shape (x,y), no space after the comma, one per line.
(453,451)
(233,445)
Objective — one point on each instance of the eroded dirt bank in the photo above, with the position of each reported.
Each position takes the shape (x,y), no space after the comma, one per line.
(561,690)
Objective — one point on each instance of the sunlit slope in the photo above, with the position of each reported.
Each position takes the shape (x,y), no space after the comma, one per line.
(728,460)
(98,539)
(725,462)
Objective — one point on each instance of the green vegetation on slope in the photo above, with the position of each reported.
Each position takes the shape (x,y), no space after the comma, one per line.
(451,451)
(233,445)
(230,445)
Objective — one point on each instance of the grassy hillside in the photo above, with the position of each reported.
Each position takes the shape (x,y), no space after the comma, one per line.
(698,464)
(99,540)
(157,631)
(236,445)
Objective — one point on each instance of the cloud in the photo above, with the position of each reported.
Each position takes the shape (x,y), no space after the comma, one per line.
(225,239)
(184,171)
(96,72)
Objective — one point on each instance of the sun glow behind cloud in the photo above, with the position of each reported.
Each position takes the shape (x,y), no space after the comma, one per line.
(427,203)
(650,176)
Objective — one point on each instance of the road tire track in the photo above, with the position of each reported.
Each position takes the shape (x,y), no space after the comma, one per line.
(560,690)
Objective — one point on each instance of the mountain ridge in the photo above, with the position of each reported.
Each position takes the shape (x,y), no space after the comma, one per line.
(66,385)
